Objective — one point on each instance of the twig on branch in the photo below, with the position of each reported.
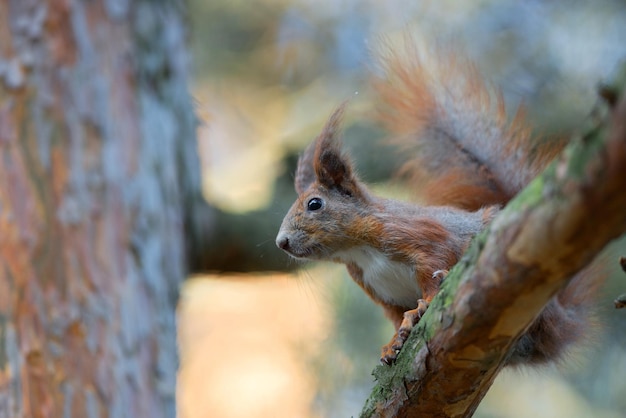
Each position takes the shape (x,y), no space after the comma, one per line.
(548,233)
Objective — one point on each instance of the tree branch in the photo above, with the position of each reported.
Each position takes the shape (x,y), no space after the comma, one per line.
(553,229)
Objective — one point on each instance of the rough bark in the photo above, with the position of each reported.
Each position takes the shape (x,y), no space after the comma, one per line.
(550,231)
(97,158)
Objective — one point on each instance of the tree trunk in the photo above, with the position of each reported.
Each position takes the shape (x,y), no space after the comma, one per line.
(97,161)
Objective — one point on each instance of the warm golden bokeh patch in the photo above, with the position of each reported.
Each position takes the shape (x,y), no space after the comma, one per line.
(242,345)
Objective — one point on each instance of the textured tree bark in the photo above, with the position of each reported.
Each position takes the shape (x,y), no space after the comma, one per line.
(98,180)
(549,232)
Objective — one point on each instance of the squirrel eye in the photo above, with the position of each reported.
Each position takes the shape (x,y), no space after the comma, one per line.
(315,204)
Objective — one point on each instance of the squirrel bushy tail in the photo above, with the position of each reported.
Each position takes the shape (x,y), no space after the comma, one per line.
(470,155)
(567,319)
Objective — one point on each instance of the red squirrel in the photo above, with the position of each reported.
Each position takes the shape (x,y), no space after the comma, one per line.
(470,161)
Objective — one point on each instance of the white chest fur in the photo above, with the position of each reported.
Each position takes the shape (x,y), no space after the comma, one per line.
(391,281)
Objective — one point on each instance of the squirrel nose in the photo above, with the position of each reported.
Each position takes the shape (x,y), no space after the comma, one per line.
(282,241)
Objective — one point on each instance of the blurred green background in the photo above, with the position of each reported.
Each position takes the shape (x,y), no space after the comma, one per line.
(266,76)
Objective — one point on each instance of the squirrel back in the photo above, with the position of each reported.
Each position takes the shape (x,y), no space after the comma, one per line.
(470,155)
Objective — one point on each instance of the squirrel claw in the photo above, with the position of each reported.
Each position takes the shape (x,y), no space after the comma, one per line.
(388,355)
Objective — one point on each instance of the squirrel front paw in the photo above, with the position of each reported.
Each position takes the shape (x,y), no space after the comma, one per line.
(440,275)
(390,351)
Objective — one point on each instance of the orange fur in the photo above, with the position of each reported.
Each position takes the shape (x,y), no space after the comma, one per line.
(468,153)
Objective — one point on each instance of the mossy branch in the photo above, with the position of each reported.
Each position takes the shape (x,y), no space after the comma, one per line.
(549,232)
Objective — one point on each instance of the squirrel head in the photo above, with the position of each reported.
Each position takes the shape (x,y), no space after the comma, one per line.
(331,200)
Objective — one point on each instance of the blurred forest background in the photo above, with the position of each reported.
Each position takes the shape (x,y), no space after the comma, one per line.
(302,342)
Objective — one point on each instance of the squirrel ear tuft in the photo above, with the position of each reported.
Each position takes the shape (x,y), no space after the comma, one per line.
(305,173)
(332,168)
(323,160)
